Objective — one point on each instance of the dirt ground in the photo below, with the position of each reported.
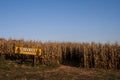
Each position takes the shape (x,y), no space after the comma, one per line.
(12,71)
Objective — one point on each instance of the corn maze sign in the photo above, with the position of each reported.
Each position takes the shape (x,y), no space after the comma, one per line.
(25,52)
(28,51)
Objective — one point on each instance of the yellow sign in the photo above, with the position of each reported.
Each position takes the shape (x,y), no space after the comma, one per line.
(28,51)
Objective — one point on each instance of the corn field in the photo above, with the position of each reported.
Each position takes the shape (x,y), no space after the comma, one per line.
(85,55)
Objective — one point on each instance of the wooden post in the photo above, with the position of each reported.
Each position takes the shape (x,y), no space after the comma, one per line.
(34,60)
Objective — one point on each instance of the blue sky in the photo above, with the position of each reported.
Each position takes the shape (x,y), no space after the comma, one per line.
(60,20)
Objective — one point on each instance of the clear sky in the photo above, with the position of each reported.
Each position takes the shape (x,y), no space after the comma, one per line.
(60,20)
